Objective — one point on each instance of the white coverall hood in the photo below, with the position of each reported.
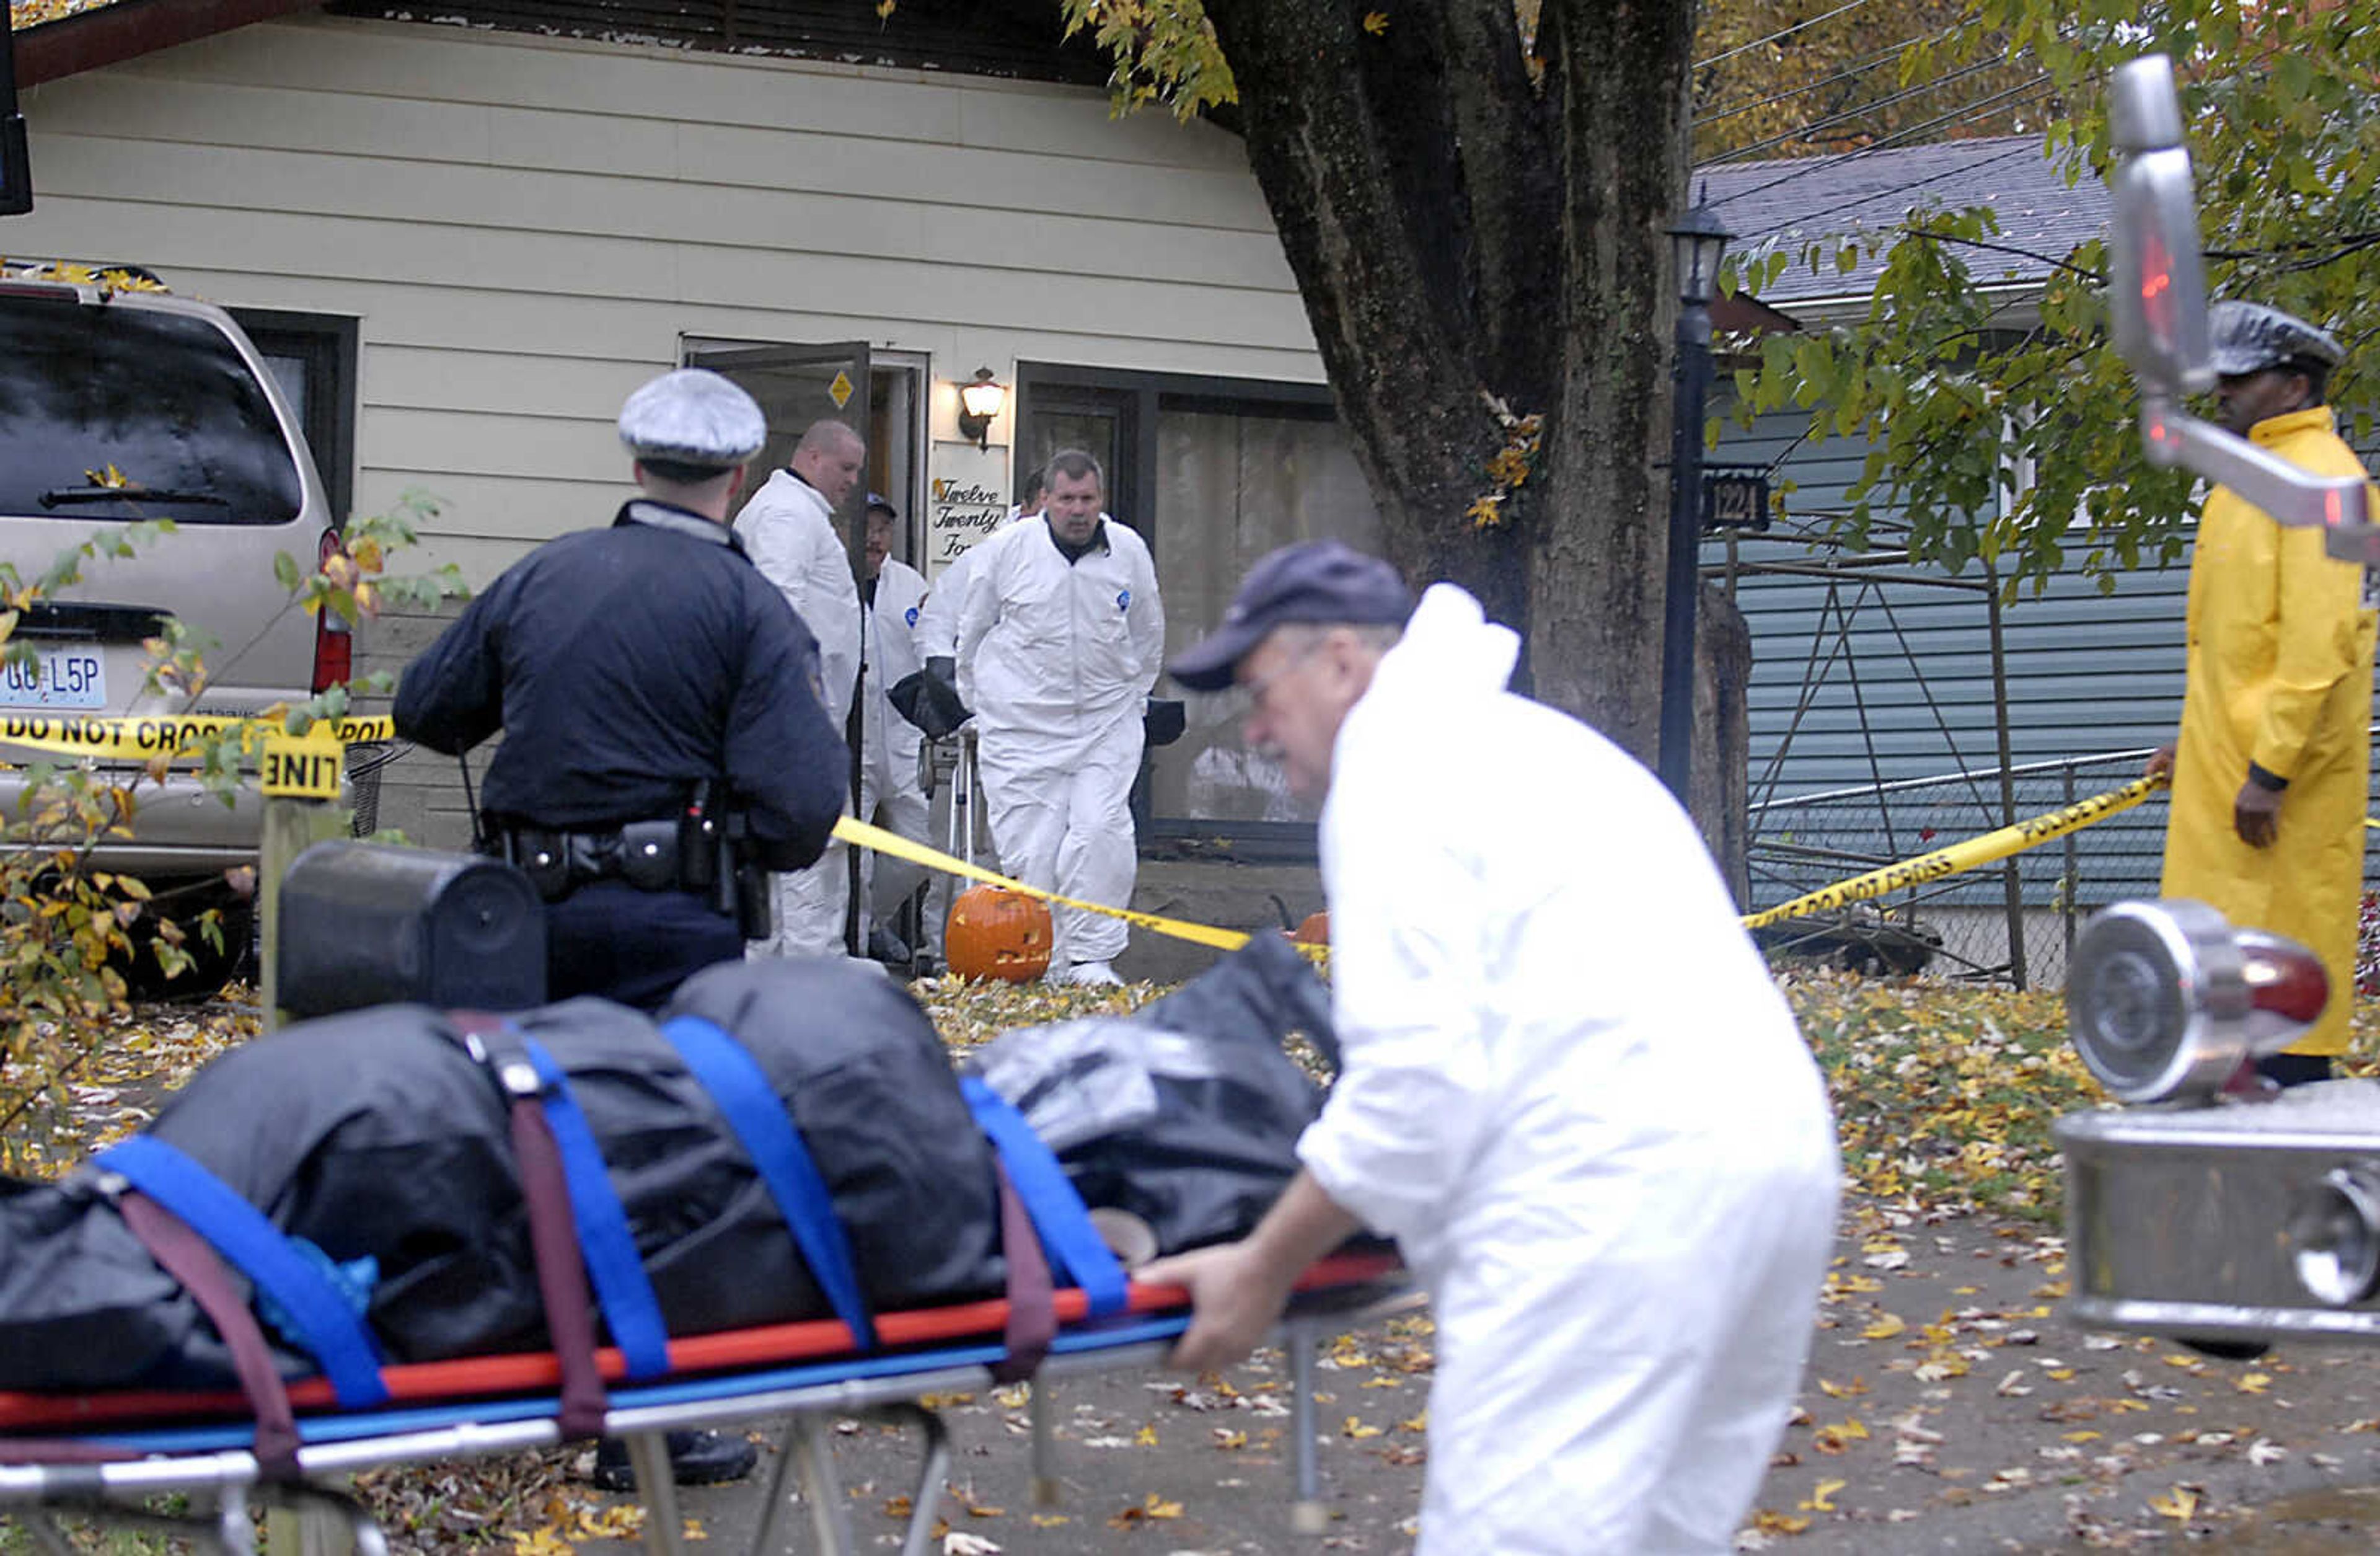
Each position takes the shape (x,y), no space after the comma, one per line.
(1572,1093)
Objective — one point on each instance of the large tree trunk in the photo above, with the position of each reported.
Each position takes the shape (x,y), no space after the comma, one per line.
(1461,232)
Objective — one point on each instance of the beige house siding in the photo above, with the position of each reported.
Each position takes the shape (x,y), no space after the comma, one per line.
(526,228)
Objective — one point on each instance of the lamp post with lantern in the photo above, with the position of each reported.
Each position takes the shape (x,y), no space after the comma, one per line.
(1697,245)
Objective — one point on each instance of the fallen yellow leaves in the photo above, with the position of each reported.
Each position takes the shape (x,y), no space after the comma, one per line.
(1822,1495)
(1884,1328)
(1355,1428)
(2178,1504)
(571,1522)
(1156,1507)
(1835,1439)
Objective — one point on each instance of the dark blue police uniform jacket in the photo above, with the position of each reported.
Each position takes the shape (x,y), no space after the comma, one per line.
(622,665)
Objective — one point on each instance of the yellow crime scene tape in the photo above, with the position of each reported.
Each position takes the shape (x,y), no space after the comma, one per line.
(308,766)
(1982,850)
(303,766)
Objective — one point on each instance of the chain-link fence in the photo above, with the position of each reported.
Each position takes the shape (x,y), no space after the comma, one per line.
(2011,921)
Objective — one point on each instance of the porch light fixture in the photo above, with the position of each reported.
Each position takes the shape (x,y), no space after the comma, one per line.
(979,402)
(1697,242)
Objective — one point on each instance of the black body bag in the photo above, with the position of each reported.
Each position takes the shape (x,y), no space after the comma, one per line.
(373,1136)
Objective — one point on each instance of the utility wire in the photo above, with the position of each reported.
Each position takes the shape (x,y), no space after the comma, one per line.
(1780,33)
(1746,154)
(2038,87)
(1858,67)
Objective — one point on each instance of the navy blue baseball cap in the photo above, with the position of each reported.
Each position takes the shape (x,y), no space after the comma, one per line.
(1325,582)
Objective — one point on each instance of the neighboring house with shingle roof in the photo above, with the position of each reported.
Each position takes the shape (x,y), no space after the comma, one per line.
(1870,672)
(1791,203)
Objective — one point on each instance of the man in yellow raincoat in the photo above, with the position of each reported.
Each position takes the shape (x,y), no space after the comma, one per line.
(2271,768)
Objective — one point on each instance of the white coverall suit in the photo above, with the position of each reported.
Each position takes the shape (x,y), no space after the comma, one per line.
(789,533)
(1575,1098)
(889,792)
(1057,660)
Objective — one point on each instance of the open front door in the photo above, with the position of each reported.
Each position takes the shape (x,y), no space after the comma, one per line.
(796,386)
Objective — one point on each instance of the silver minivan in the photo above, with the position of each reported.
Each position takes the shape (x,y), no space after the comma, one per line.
(120,402)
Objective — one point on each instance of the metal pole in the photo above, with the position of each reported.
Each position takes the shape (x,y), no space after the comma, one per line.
(1690,382)
(2073,883)
(2011,884)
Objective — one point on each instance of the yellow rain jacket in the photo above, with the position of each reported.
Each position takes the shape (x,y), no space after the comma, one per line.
(2280,675)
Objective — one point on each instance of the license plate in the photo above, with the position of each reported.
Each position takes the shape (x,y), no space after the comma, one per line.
(55,678)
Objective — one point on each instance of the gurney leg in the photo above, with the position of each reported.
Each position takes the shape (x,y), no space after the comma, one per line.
(829,1520)
(1039,1409)
(657,1487)
(771,1535)
(934,1471)
(1306,1516)
(232,1530)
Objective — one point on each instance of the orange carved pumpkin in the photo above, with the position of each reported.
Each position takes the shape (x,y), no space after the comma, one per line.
(1315,930)
(993,932)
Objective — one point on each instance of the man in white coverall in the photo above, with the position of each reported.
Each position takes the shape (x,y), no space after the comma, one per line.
(1061,638)
(788,528)
(1570,1090)
(890,795)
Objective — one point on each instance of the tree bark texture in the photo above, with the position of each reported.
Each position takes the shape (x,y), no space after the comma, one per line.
(1460,231)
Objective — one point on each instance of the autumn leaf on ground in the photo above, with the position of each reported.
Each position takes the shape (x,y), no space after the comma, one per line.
(1375,22)
(2178,1504)
(1822,1496)
(1884,1328)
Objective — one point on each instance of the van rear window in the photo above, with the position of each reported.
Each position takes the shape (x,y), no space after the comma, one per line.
(95,396)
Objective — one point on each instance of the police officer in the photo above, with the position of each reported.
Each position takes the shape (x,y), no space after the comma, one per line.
(638,671)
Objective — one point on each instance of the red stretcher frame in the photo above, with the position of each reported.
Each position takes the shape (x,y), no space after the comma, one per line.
(1346,1288)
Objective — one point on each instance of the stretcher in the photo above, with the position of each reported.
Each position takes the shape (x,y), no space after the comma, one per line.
(107,1456)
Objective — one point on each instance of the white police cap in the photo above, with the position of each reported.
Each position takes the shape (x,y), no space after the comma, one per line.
(692,417)
(2249,337)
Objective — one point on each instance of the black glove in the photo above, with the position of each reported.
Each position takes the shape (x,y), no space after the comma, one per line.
(1163,723)
(927,699)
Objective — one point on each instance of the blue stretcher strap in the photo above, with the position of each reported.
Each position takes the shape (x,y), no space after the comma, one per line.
(630,1310)
(239,1231)
(737,1084)
(1067,1236)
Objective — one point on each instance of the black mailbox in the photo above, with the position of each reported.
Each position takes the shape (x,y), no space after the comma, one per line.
(367,924)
